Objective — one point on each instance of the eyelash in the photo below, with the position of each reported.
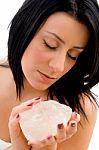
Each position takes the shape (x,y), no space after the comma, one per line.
(47,45)
(73,58)
(53,48)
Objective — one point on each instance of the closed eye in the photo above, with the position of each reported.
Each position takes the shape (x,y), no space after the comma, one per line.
(49,46)
(72,57)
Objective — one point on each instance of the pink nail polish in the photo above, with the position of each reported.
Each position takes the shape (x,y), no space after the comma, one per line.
(17,116)
(30,104)
(49,137)
(75,114)
(36,98)
(60,126)
(73,124)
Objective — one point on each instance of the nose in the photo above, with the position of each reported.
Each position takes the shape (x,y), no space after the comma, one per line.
(57,63)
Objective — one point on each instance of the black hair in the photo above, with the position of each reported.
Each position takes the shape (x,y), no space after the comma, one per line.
(85,73)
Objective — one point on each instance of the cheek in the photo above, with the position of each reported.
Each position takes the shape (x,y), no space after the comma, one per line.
(38,53)
(34,55)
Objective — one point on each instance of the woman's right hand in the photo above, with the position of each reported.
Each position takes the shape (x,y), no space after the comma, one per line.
(63,133)
(18,140)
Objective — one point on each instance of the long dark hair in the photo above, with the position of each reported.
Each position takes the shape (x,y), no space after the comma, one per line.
(85,73)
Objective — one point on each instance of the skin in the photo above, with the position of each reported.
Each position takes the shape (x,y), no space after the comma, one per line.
(57,61)
(51,54)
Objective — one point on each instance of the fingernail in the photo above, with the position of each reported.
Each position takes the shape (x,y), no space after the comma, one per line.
(30,104)
(17,116)
(75,115)
(60,126)
(36,98)
(73,124)
(49,137)
(29,143)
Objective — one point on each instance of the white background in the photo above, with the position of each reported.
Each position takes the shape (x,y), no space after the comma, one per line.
(7,10)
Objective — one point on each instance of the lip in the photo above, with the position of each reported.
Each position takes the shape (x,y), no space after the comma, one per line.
(46,77)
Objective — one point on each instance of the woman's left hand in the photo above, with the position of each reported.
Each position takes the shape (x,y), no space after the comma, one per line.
(50,143)
(18,140)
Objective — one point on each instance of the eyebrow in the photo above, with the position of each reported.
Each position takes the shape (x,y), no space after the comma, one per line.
(77,47)
(56,36)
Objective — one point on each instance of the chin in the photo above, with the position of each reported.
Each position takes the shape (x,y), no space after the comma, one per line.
(40,87)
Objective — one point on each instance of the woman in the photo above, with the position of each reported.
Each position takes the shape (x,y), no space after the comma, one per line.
(53,54)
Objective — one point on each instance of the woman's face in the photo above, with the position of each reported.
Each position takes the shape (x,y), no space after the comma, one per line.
(54,50)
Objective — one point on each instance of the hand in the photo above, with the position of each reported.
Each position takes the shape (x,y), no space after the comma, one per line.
(18,140)
(71,128)
(50,143)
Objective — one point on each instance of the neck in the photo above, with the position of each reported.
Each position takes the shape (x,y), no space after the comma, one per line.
(29,92)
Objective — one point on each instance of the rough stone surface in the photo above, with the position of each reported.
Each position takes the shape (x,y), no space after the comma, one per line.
(42,119)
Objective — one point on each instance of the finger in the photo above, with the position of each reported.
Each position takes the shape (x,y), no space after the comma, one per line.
(32,101)
(34,144)
(37,144)
(71,129)
(13,122)
(61,133)
(50,140)
(75,116)
(24,106)
(14,127)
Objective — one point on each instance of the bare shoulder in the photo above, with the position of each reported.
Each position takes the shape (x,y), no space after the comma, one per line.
(90,108)
(6,79)
(4,70)
(7,98)
(81,140)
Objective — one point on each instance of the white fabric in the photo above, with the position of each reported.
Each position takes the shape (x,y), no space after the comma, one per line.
(4,144)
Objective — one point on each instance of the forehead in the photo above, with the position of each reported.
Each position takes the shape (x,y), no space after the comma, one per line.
(66,26)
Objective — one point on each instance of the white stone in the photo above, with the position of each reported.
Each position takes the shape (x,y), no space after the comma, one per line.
(42,119)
